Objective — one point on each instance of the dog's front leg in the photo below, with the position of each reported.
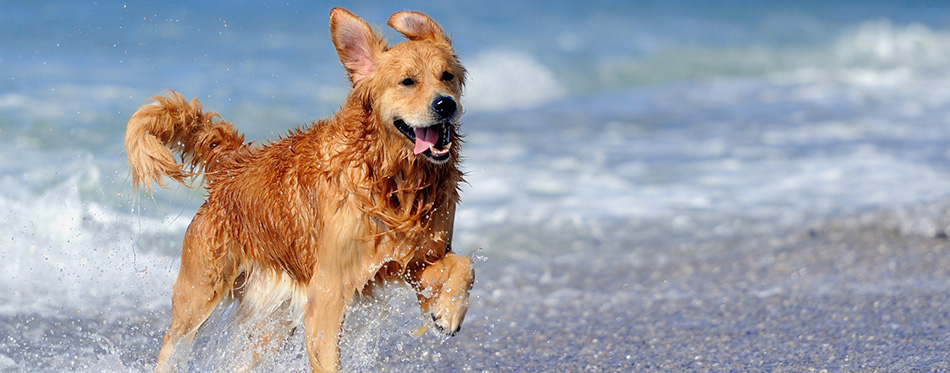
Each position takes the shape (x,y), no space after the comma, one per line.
(327,299)
(442,288)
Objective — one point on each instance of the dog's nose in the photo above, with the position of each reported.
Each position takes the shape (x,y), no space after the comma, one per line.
(444,107)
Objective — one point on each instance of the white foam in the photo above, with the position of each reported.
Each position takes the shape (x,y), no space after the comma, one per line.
(501,80)
(65,252)
(882,43)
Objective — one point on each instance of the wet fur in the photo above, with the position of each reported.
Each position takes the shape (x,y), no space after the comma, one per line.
(294,229)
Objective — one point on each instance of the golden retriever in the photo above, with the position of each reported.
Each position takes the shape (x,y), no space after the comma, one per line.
(294,229)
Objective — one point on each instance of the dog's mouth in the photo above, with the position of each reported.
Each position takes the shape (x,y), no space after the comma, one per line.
(434,141)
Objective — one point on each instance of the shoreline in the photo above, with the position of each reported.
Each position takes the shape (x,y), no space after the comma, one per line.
(867,291)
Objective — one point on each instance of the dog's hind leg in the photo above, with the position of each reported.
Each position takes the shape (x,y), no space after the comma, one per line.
(442,289)
(204,279)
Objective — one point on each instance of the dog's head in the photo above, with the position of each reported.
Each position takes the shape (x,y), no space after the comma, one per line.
(413,87)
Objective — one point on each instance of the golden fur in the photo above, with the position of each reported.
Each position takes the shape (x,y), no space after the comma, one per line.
(295,228)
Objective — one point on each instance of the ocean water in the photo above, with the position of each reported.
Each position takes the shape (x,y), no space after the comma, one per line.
(599,135)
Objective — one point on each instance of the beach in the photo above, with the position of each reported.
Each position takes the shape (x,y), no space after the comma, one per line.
(867,292)
(650,186)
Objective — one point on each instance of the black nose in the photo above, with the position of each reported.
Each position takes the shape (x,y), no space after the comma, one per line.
(444,107)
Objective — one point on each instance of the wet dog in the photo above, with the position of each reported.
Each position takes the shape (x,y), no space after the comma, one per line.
(294,229)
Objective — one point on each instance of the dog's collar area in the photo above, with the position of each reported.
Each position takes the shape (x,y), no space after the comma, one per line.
(436,144)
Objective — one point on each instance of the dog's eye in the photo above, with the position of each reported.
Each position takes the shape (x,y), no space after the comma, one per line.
(447,76)
(407,82)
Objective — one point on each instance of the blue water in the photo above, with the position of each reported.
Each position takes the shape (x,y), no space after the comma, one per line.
(592,126)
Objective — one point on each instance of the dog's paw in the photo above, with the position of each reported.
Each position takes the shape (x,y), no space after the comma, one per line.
(443,290)
(448,313)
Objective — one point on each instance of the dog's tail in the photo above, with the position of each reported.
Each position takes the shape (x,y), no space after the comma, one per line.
(173,124)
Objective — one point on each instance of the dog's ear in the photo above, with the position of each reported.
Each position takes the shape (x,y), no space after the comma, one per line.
(356,44)
(418,26)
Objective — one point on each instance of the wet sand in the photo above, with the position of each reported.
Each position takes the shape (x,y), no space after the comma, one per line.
(868,292)
(864,292)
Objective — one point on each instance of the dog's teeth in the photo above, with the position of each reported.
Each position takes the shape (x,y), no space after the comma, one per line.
(440,151)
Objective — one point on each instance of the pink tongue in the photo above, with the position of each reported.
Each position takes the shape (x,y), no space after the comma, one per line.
(425,139)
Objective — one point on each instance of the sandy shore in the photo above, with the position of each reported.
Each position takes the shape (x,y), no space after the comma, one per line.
(863,292)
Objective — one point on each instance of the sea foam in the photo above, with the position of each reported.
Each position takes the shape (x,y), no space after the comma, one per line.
(504,79)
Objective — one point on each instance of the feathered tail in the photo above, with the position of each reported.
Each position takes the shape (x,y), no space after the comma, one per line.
(173,124)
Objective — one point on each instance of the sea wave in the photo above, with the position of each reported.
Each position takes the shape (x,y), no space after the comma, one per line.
(504,79)
(883,44)
(66,249)
(874,50)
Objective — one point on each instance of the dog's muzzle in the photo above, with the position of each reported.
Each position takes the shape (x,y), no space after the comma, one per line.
(433,141)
